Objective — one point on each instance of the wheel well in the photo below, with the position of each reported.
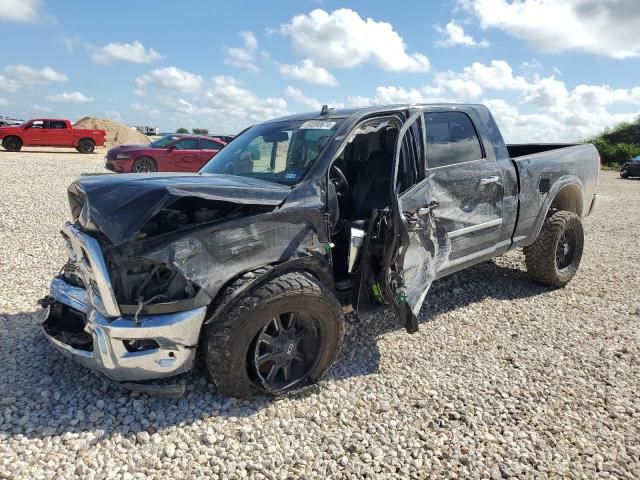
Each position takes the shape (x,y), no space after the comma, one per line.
(86,138)
(250,279)
(569,198)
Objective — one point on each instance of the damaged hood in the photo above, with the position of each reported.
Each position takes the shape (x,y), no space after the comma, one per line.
(119,205)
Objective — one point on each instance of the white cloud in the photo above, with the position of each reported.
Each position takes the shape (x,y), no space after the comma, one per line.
(390,95)
(603,27)
(296,95)
(243,57)
(144,109)
(343,39)
(19,10)
(113,115)
(528,109)
(69,97)
(8,84)
(227,99)
(41,108)
(25,75)
(3,102)
(171,78)
(454,34)
(134,52)
(309,72)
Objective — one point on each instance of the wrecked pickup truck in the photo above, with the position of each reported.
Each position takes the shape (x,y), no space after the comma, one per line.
(250,263)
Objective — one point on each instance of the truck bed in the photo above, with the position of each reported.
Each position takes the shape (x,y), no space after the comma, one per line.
(522,149)
(543,172)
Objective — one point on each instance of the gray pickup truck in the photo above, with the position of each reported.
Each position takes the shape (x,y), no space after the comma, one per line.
(251,263)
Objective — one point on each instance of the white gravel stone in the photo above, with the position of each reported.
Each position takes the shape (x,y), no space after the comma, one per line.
(504,379)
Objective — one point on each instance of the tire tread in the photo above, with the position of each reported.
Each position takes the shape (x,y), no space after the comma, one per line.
(540,255)
(221,329)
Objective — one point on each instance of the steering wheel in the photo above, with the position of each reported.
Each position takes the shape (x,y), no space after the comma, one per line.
(339,180)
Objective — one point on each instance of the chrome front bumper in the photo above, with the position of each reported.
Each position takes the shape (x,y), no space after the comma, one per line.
(175,335)
(105,334)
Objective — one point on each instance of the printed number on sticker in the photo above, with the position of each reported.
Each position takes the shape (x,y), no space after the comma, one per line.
(317,124)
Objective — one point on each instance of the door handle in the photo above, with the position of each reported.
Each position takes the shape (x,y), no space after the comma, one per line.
(489,180)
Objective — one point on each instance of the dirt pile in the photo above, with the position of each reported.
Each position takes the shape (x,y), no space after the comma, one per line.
(117,133)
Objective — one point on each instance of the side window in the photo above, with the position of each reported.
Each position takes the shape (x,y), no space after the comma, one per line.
(451,139)
(209,145)
(57,124)
(37,124)
(188,144)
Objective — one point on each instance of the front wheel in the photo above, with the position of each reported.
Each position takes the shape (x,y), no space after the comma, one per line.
(554,257)
(278,337)
(12,144)
(624,174)
(144,165)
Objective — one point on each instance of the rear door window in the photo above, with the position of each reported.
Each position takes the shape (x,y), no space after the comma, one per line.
(57,124)
(451,139)
(188,144)
(210,145)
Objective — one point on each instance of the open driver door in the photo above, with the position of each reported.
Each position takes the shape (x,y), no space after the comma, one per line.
(414,246)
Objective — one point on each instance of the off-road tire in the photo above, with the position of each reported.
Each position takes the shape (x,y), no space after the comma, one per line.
(12,144)
(228,339)
(150,163)
(540,256)
(86,146)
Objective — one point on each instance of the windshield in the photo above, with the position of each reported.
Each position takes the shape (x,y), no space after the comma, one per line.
(164,141)
(280,152)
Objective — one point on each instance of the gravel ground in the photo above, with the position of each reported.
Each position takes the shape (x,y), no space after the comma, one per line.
(504,379)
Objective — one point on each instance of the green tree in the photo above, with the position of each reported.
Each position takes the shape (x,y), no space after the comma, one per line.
(200,131)
(617,144)
(182,130)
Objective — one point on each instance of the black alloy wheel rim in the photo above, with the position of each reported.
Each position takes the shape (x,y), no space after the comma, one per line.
(85,147)
(284,351)
(566,249)
(143,165)
(12,144)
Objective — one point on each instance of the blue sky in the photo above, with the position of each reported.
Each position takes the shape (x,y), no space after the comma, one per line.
(550,70)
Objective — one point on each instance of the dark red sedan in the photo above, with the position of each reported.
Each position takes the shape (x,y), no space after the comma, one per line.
(171,153)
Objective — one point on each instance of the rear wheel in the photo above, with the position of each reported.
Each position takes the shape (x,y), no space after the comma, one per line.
(86,146)
(144,165)
(12,144)
(276,338)
(553,259)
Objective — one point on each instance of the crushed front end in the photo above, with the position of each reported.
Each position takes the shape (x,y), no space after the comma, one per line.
(90,321)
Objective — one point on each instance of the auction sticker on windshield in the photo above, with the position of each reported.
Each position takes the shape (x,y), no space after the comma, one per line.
(317,125)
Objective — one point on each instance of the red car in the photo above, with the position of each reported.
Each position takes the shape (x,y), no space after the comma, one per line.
(171,153)
(46,132)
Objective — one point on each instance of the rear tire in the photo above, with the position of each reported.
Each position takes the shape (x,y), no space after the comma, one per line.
(86,146)
(144,165)
(244,347)
(553,259)
(12,144)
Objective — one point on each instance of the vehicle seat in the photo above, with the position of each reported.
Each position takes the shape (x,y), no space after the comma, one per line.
(371,190)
